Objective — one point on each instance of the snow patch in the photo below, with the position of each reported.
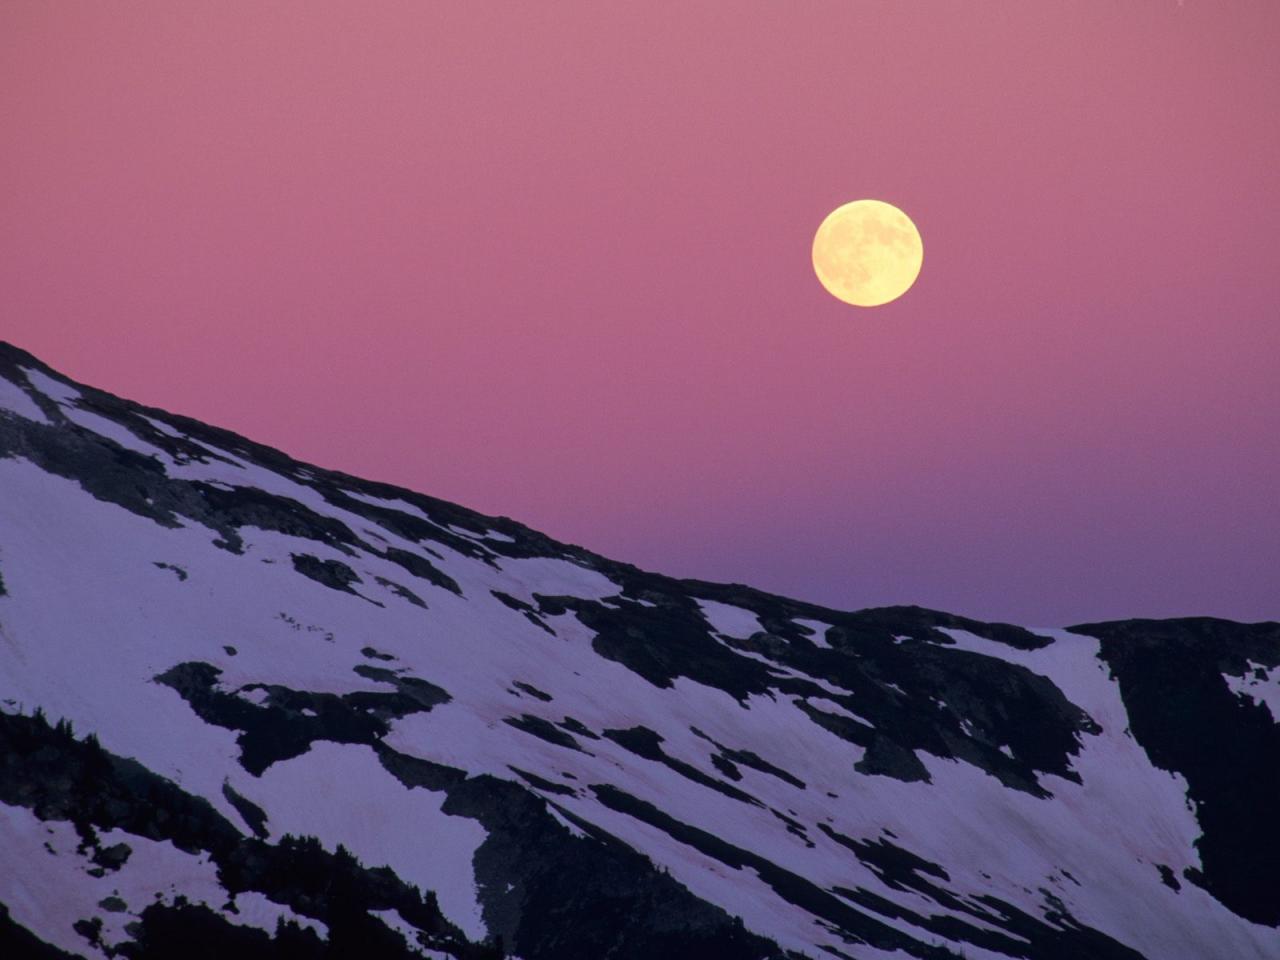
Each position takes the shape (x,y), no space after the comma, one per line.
(254,909)
(116,432)
(53,889)
(729,620)
(56,390)
(407,930)
(340,793)
(1264,690)
(560,818)
(819,636)
(17,401)
(164,427)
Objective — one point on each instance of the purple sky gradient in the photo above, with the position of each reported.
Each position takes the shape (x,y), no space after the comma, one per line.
(552,261)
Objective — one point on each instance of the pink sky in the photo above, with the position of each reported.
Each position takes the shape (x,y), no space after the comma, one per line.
(552,261)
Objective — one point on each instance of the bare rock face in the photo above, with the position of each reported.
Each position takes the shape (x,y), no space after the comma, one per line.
(250,707)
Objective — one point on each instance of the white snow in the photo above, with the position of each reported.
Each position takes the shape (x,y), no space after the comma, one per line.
(729,620)
(1264,690)
(114,431)
(560,818)
(254,909)
(52,889)
(56,390)
(407,930)
(257,695)
(819,635)
(17,401)
(87,624)
(340,792)
(164,427)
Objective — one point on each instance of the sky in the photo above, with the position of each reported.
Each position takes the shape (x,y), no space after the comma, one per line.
(552,261)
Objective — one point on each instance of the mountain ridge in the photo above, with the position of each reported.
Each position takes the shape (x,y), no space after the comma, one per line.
(693,796)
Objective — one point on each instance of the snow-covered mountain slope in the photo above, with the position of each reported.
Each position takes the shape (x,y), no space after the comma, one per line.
(252,707)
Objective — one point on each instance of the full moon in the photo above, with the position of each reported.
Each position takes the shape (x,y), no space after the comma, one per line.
(867,253)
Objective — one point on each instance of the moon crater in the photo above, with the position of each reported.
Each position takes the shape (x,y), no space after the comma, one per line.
(867,253)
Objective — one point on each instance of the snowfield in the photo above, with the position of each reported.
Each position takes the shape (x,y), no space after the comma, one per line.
(501,745)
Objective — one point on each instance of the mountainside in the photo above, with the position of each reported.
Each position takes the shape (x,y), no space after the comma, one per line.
(250,707)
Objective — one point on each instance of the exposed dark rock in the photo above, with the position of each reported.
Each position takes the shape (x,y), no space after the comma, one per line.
(333,574)
(59,777)
(890,682)
(794,827)
(728,758)
(250,813)
(896,685)
(550,895)
(416,772)
(922,623)
(112,858)
(532,691)
(581,729)
(401,591)
(854,925)
(1171,676)
(377,674)
(1061,938)
(422,568)
(194,931)
(530,612)
(539,783)
(289,721)
(664,642)
(725,766)
(251,507)
(886,757)
(898,868)
(178,571)
(91,930)
(20,943)
(544,730)
(645,743)
(510,602)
